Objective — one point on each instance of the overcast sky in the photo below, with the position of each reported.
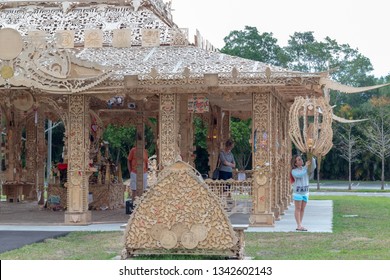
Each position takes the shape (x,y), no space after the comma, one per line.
(364,25)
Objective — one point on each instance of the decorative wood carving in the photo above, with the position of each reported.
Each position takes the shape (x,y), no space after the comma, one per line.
(262,177)
(179,214)
(78,158)
(168,137)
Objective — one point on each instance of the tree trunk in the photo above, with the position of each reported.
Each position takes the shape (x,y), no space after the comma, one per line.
(349,176)
(383,174)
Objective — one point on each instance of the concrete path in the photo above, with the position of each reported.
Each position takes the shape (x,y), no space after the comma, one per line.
(318,218)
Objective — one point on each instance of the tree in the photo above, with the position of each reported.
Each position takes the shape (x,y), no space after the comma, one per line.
(200,137)
(121,139)
(306,54)
(378,132)
(348,147)
(250,44)
(241,134)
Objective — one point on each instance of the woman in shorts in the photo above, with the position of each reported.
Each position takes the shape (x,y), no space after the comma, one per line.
(301,176)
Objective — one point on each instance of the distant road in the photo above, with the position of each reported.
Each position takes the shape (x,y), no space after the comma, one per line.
(355,186)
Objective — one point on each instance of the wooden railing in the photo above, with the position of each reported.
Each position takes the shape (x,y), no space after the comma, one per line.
(236,196)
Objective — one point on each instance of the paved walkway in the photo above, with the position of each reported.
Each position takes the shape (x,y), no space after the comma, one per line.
(15,235)
(22,224)
(28,217)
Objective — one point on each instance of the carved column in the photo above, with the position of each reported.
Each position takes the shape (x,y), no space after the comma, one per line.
(168,131)
(289,156)
(41,151)
(262,176)
(285,159)
(225,126)
(281,163)
(31,149)
(14,136)
(185,122)
(140,144)
(78,161)
(2,145)
(274,157)
(214,144)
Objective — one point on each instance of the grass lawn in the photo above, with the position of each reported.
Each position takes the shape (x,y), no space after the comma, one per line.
(360,232)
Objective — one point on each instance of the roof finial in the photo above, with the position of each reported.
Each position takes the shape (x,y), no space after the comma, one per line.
(136,4)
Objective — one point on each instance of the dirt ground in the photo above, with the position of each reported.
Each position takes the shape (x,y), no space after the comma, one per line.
(27,212)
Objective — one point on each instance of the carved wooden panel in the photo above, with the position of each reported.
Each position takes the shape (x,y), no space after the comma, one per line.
(262,177)
(168,145)
(93,38)
(179,213)
(78,153)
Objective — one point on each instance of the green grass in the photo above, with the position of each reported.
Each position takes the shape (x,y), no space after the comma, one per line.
(325,189)
(74,246)
(362,237)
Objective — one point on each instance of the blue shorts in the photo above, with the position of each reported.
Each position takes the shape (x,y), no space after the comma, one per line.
(300,197)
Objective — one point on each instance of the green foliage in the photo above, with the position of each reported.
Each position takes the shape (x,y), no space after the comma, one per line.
(121,139)
(241,133)
(250,44)
(200,143)
(200,133)
(345,65)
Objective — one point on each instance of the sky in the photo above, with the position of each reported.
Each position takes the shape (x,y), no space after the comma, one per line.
(364,25)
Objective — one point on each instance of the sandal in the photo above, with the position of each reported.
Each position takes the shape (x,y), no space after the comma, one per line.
(301,229)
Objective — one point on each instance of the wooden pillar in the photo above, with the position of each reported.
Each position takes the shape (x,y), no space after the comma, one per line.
(78,160)
(140,146)
(2,147)
(275,157)
(31,149)
(225,126)
(215,143)
(284,162)
(185,123)
(262,176)
(41,152)
(13,147)
(289,156)
(281,163)
(168,131)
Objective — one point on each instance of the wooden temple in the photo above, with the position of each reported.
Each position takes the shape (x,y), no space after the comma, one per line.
(92,63)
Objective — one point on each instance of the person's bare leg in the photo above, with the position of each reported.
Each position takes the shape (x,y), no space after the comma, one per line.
(133,195)
(297,213)
(303,206)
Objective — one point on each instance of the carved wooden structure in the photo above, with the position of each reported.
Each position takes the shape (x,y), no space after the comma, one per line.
(179,214)
(88,64)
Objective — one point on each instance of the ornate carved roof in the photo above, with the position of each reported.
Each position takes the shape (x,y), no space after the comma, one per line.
(135,45)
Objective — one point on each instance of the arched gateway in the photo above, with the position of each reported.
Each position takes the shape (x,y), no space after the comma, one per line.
(89,62)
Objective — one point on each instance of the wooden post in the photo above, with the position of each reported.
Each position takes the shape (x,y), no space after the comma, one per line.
(41,154)
(262,176)
(274,157)
(140,144)
(78,160)
(184,128)
(168,132)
